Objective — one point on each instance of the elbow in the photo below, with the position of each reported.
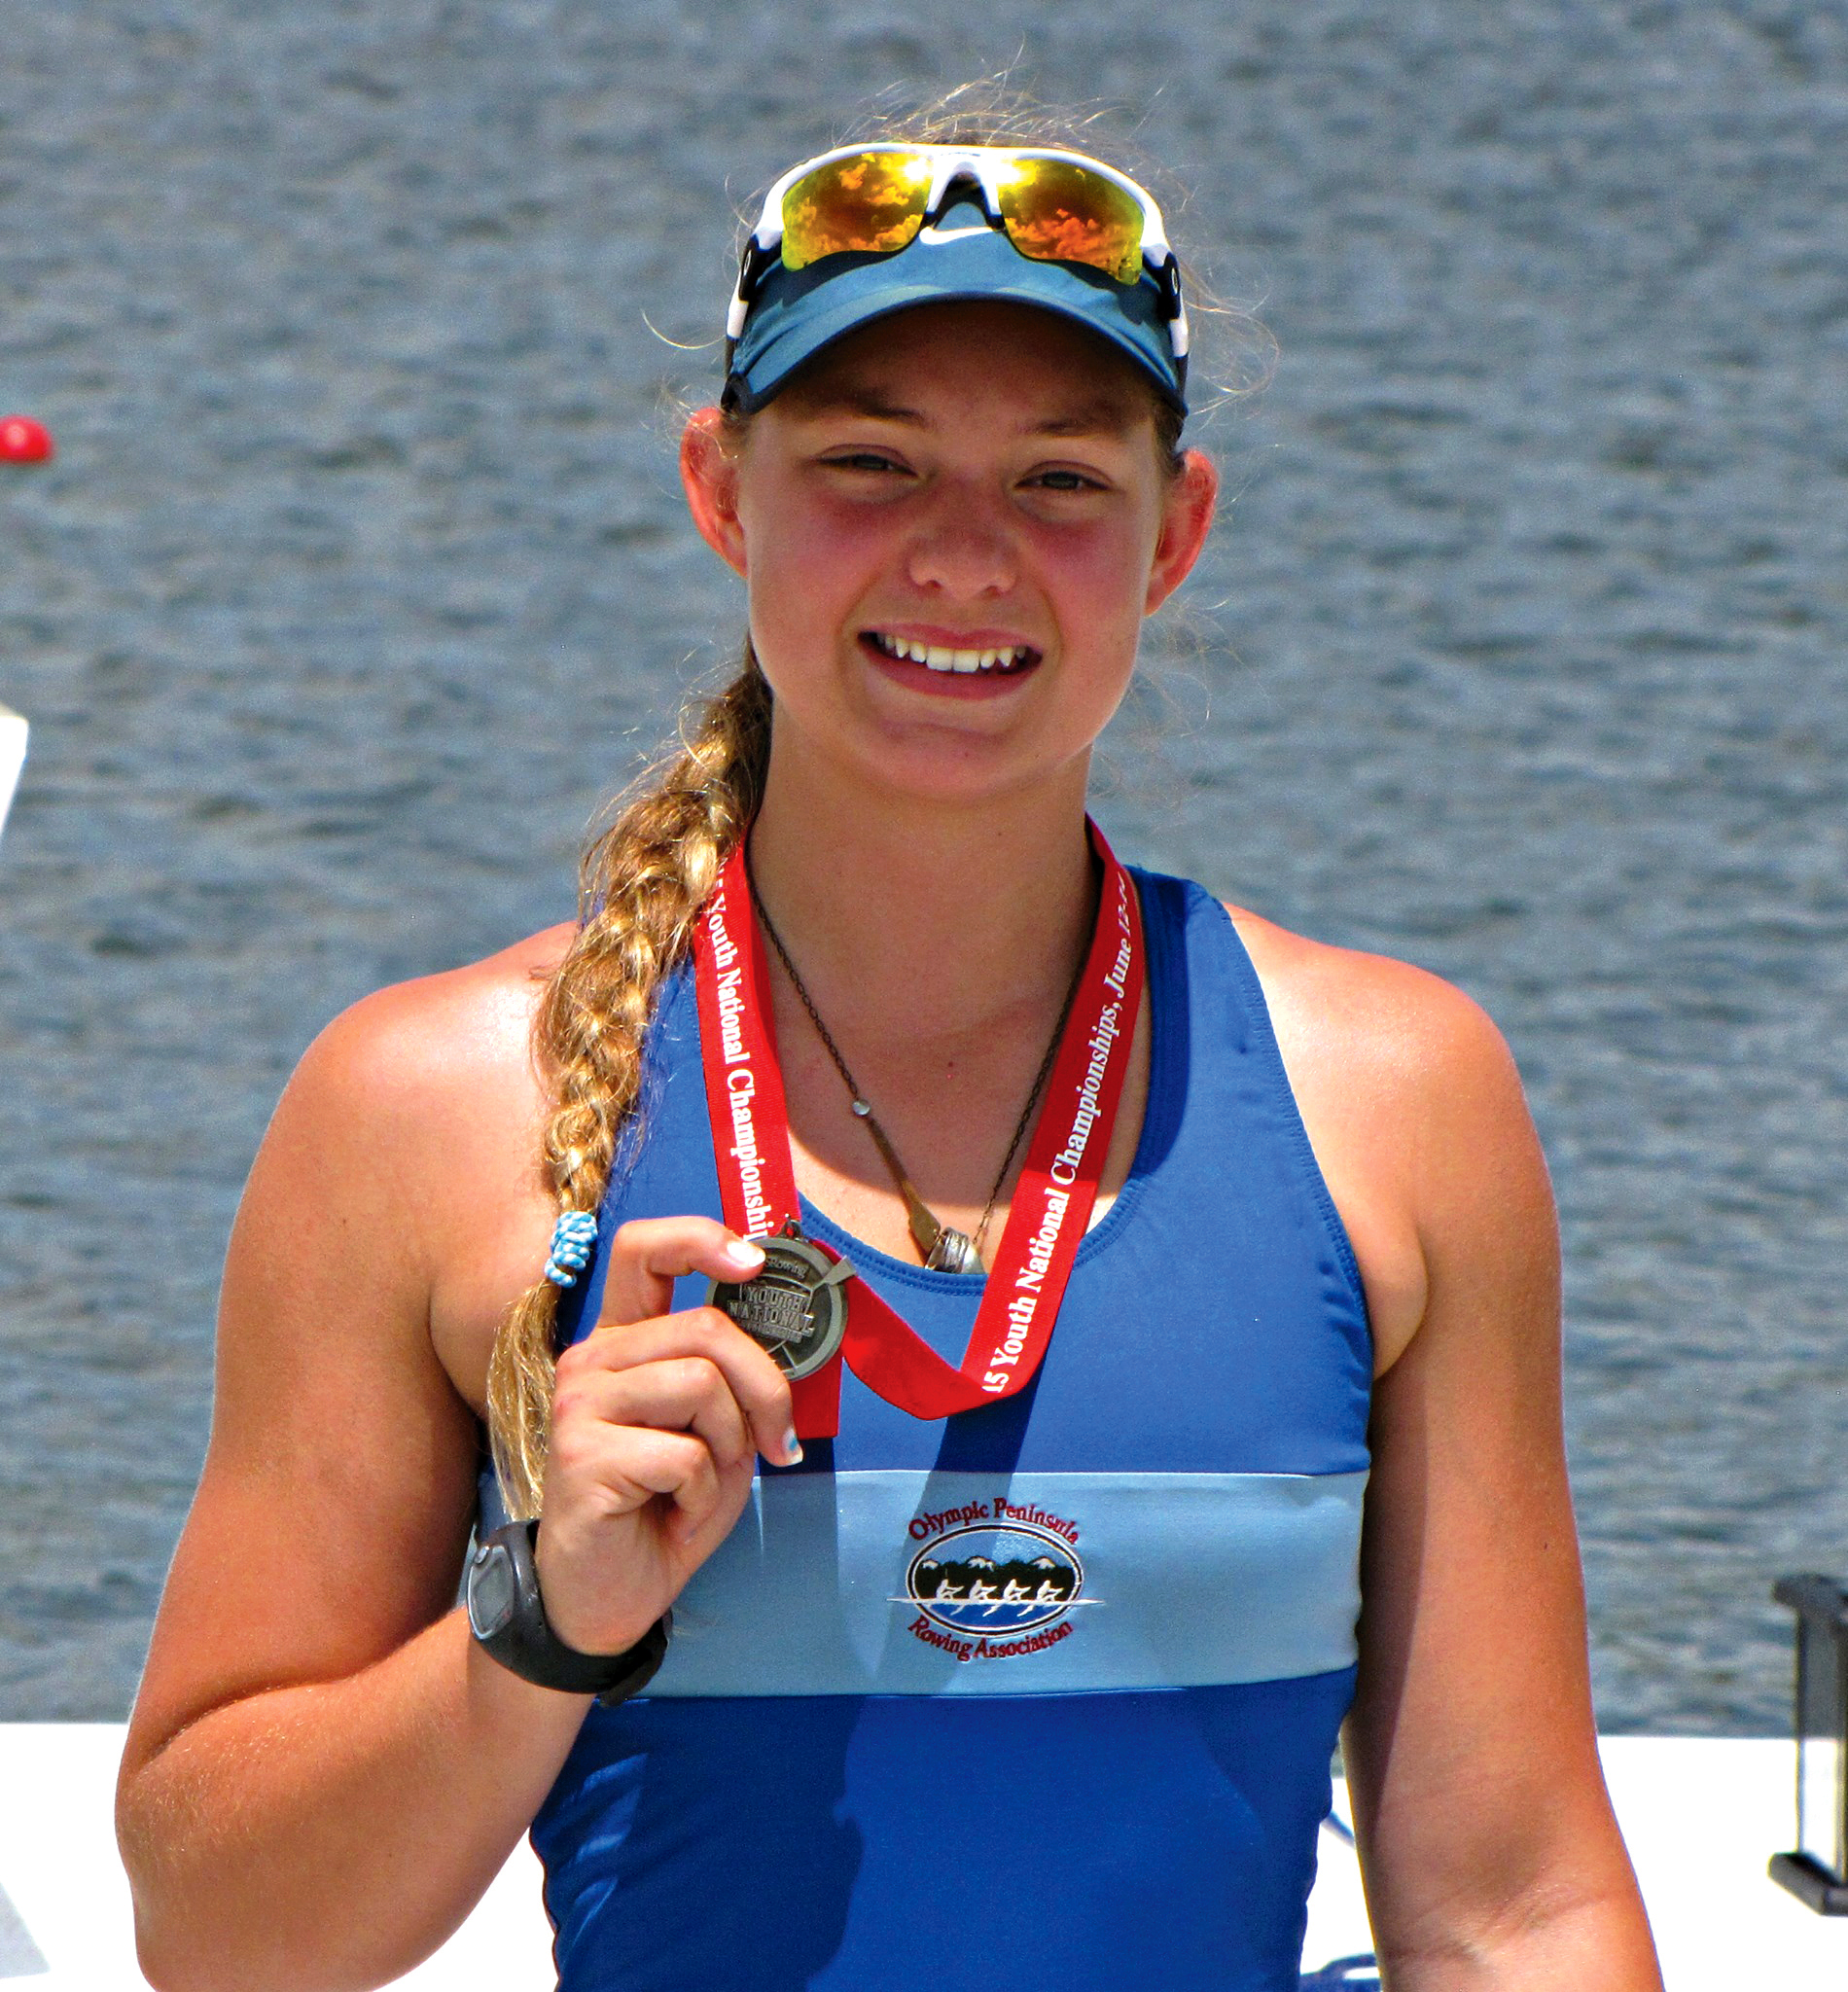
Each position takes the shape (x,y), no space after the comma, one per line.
(164,1963)
(177,1951)
(201,1931)
(196,1931)
(187,1947)
(182,1952)
(176,1962)
(167,1967)
(181,1945)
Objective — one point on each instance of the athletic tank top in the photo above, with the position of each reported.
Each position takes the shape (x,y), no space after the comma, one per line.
(1041,1697)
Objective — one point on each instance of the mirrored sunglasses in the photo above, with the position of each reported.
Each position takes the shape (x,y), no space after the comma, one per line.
(876,199)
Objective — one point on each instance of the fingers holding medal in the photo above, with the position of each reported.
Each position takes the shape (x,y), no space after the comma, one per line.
(636,1329)
(656,1422)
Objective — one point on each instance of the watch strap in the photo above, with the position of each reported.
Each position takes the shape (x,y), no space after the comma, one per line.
(522,1639)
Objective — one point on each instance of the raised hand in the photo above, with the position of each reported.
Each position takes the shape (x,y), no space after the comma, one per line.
(655,1419)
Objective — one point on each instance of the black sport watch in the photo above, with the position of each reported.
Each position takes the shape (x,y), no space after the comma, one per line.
(508,1617)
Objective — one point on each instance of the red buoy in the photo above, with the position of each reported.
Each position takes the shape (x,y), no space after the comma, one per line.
(24,441)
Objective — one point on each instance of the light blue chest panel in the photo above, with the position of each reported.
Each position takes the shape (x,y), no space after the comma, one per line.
(1041,1695)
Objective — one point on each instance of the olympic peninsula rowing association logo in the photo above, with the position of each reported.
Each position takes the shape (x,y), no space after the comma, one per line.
(992,1581)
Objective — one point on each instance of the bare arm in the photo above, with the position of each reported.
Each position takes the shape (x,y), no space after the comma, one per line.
(1492,1856)
(323,1772)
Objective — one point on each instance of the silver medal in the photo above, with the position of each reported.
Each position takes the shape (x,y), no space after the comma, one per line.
(794,1307)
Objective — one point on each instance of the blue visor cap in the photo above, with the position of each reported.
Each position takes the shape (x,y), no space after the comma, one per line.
(796,313)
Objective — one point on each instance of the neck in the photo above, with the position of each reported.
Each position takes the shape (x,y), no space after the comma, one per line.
(921,915)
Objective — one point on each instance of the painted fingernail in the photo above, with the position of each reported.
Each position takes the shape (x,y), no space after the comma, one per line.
(742,1253)
(792,1449)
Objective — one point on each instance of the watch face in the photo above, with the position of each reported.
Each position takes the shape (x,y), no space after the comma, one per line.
(492,1590)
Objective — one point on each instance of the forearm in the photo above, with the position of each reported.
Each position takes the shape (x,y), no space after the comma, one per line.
(328,1836)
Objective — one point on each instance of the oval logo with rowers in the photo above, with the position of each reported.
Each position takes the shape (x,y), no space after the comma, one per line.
(1004,1577)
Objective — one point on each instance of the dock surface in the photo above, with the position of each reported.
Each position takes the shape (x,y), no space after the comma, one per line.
(1701,1816)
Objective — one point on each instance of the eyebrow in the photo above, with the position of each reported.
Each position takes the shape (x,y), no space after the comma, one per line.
(1104,417)
(862,401)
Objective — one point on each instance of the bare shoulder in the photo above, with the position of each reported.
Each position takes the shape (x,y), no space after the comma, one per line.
(1392,1024)
(1415,1111)
(412,1126)
(425,1044)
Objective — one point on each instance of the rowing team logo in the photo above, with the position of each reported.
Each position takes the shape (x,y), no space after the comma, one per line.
(993,1581)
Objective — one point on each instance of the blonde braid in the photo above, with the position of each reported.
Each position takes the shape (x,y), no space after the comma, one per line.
(641,883)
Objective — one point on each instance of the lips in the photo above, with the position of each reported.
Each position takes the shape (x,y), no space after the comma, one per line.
(997,661)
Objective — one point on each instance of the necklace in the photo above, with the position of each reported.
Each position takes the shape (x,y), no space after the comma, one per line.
(944,1249)
(1048,1205)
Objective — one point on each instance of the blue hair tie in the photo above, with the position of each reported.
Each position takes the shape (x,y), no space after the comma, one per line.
(573,1238)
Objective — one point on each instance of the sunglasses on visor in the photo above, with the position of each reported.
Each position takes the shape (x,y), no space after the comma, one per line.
(876,199)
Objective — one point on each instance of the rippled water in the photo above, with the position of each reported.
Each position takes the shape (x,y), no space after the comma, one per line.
(361,576)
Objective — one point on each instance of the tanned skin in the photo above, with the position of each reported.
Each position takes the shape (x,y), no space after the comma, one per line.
(323,1772)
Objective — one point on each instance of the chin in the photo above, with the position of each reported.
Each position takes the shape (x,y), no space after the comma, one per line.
(943,751)
(947,768)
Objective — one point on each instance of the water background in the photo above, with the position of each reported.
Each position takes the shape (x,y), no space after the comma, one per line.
(362,575)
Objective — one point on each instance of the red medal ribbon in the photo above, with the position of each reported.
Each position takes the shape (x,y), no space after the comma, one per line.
(1051,1202)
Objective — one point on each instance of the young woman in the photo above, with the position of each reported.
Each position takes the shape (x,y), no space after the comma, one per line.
(989,1290)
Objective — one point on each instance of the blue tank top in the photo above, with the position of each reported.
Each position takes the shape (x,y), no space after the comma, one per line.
(1041,1697)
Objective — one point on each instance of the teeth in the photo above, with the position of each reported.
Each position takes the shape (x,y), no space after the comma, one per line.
(934,658)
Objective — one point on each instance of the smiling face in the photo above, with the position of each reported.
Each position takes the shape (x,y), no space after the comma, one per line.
(951,527)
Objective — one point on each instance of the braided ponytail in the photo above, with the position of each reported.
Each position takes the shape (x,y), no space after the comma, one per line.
(641,883)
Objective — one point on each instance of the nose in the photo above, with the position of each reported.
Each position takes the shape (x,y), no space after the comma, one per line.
(962,549)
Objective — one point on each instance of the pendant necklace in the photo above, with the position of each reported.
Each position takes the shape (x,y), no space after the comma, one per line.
(944,1248)
(805,1308)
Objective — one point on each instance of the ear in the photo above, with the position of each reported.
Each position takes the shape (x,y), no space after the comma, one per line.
(1187,517)
(709,475)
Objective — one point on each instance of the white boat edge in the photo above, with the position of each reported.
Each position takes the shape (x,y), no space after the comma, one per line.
(13,737)
(1702,1817)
